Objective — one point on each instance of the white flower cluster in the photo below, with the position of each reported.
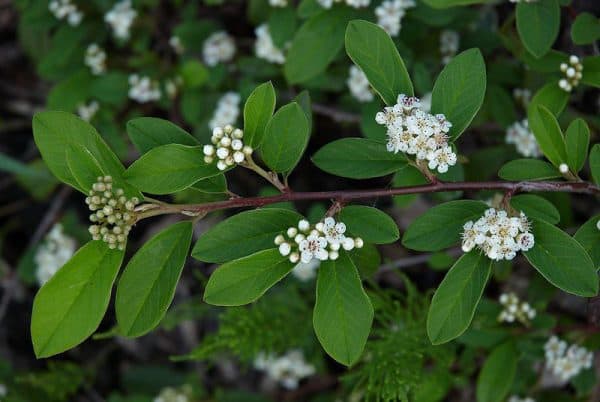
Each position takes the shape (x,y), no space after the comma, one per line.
(573,73)
(306,272)
(449,43)
(120,18)
(176,44)
(321,242)
(522,95)
(227,111)
(143,89)
(66,9)
(218,48)
(88,111)
(515,398)
(113,214)
(415,132)
(3,390)
(170,394)
(265,47)
(566,362)
(351,3)
(55,251)
(95,59)
(359,85)
(498,235)
(521,136)
(514,309)
(598,224)
(390,13)
(278,3)
(228,147)
(288,370)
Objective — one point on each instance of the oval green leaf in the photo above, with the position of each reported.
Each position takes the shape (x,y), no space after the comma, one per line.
(358,158)
(148,283)
(441,226)
(147,133)
(244,234)
(454,302)
(70,306)
(548,134)
(343,313)
(562,260)
(497,374)
(588,236)
(258,110)
(595,163)
(372,49)
(459,90)
(536,207)
(538,24)
(243,281)
(371,224)
(528,169)
(577,141)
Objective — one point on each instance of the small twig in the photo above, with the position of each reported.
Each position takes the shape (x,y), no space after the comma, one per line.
(335,114)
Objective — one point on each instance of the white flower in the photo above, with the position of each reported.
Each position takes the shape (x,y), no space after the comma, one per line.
(523,95)
(566,362)
(573,71)
(3,390)
(65,9)
(95,59)
(227,110)
(515,398)
(218,48)
(441,159)
(499,236)
(278,3)
(120,18)
(170,394)
(143,89)
(334,231)
(265,48)
(359,85)
(598,224)
(515,310)
(351,3)
(313,247)
(563,168)
(56,249)
(288,370)
(449,43)
(525,143)
(390,13)
(306,271)
(426,102)
(176,45)
(87,112)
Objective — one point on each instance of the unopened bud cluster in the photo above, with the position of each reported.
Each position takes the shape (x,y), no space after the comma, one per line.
(113,213)
(515,310)
(498,235)
(228,147)
(573,73)
(566,362)
(322,242)
(415,132)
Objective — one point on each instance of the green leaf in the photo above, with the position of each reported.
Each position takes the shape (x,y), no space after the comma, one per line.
(372,49)
(358,158)
(193,73)
(538,24)
(70,93)
(148,283)
(286,138)
(243,281)
(282,25)
(83,166)
(110,88)
(452,3)
(585,29)
(536,207)
(497,374)
(150,132)
(548,134)
(366,259)
(244,234)
(552,97)
(343,313)
(169,168)
(441,226)
(459,90)
(595,163)
(70,306)
(588,236)
(591,71)
(303,99)
(257,112)
(577,141)
(371,224)
(528,169)
(316,44)
(562,260)
(54,132)
(454,302)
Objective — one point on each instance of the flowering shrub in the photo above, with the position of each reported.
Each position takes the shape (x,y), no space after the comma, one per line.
(272,165)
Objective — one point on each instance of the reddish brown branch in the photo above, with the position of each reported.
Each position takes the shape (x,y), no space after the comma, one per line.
(344,196)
